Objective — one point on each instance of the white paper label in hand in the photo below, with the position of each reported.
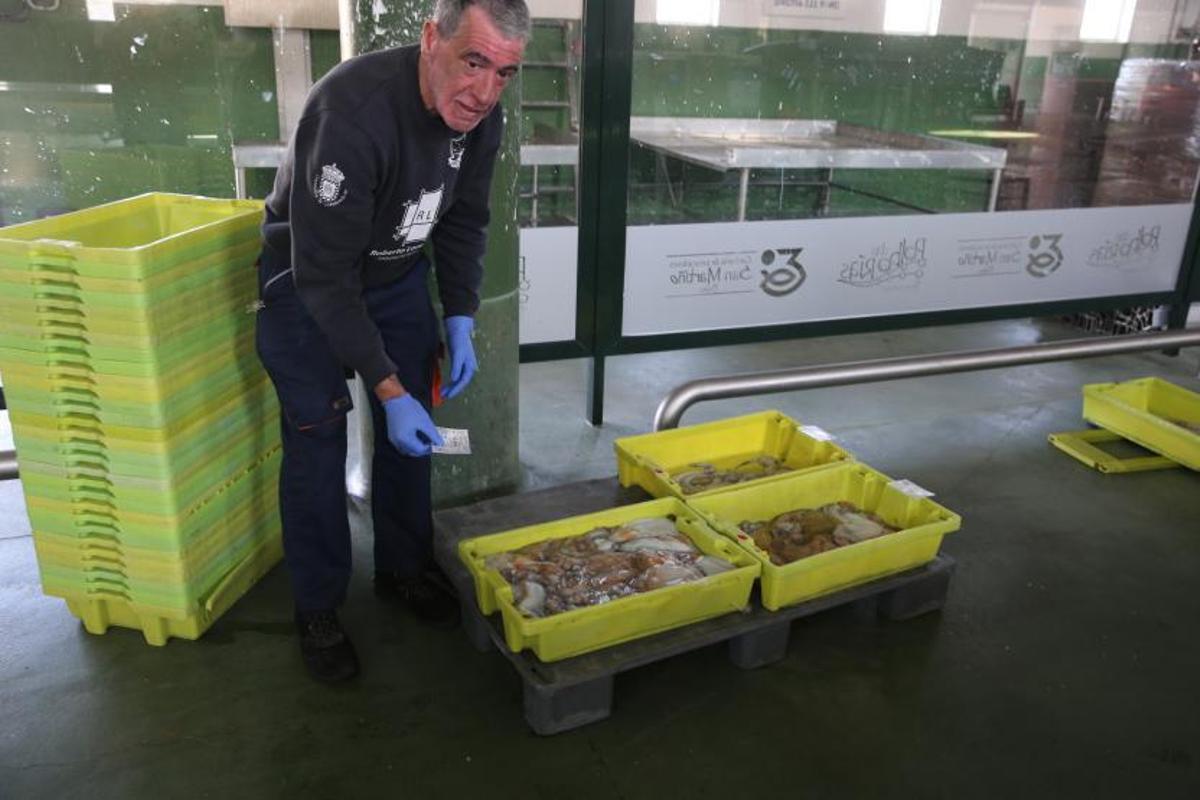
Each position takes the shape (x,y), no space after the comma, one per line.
(813,432)
(911,489)
(456,442)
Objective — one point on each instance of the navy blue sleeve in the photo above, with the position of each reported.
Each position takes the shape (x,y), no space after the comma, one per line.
(460,238)
(332,207)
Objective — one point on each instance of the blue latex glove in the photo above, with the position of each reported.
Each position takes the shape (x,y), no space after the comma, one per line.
(462,354)
(410,430)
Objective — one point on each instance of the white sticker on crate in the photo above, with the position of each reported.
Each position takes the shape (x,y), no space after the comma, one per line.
(909,488)
(814,432)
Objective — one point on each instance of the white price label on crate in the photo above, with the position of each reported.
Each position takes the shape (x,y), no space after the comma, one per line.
(456,442)
(911,489)
(813,432)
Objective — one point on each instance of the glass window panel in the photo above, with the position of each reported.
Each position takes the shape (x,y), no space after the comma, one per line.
(102,100)
(855,146)
(549,177)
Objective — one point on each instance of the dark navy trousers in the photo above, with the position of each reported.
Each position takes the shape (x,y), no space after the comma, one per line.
(311,385)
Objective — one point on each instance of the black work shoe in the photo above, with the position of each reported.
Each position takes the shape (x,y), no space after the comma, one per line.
(429,596)
(327,651)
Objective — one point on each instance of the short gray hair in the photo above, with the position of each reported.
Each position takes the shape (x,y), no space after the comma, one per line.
(510,16)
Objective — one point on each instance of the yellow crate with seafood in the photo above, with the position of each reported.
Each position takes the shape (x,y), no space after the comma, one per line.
(1156,414)
(700,459)
(721,582)
(920,523)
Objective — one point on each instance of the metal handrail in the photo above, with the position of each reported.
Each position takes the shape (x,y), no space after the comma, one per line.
(8,465)
(682,397)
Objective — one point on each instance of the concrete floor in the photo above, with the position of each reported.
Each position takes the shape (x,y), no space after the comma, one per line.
(1065,663)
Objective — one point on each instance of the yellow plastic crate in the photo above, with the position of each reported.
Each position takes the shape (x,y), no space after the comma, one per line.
(93,343)
(257,484)
(251,402)
(1084,446)
(89,451)
(131,239)
(204,286)
(1142,411)
(171,583)
(57,357)
(110,400)
(586,629)
(922,524)
(649,460)
(253,519)
(100,610)
(157,387)
(56,283)
(169,598)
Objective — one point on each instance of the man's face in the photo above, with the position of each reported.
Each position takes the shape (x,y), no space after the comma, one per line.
(462,76)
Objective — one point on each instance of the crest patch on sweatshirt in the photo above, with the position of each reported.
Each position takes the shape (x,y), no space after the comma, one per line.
(329,187)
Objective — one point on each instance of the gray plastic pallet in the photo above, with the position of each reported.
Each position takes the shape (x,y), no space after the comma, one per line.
(567,694)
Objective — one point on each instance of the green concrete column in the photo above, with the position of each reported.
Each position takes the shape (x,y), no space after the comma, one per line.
(488,408)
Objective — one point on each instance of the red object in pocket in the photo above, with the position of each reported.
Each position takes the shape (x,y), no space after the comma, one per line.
(435,382)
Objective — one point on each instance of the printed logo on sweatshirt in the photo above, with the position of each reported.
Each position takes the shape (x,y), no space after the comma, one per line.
(420,215)
(458,146)
(328,188)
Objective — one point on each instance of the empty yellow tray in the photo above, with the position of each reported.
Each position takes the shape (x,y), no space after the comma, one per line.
(1082,446)
(1148,411)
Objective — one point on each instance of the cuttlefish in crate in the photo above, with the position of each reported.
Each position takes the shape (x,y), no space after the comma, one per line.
(602,565)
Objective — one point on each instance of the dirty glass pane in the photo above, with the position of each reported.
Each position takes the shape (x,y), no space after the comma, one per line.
(547,210)
(949,118)
(102,100)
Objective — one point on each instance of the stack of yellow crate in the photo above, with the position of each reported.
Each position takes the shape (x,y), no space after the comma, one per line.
(146,430)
